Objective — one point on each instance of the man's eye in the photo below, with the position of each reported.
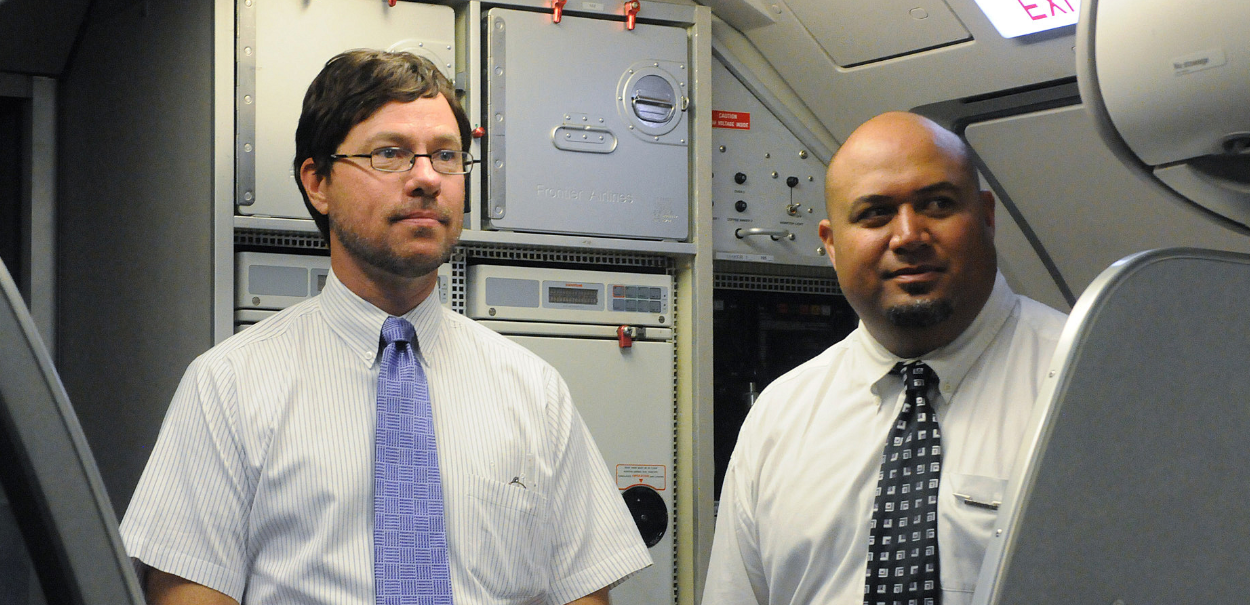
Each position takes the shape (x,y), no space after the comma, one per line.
(444,155)
(389,153)
(870,214)
(941,203)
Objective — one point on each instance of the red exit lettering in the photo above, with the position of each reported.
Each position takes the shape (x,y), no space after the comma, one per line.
(1056,8)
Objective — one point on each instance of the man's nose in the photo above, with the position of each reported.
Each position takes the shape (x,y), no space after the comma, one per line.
(910,229)
(422,179)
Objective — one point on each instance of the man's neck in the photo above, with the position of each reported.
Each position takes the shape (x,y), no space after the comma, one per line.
(391,293)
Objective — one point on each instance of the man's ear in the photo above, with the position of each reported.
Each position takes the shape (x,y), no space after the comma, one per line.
(314,186)
(825,230)
(987,200)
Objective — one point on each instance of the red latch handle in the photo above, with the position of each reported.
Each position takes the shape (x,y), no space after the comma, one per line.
(392,2)
(557,10)
(625,336)
(479,132)
(631,13)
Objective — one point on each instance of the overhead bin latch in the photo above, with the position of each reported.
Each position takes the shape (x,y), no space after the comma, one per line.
(391,2)
(631,13)
(557,10)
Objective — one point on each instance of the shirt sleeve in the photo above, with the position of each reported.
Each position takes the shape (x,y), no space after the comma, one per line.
(736,571)
(594,540)
(188,513)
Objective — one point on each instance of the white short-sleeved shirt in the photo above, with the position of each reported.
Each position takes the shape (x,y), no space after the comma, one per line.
(261,482)
(795,507)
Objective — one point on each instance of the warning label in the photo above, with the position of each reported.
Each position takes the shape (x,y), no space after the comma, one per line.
(738,120)
(654,476)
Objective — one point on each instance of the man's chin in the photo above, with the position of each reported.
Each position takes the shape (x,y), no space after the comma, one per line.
(921,313)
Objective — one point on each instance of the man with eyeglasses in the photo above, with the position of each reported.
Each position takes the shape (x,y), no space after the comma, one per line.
(262,487)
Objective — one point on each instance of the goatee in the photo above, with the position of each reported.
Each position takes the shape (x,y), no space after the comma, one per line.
(919,314)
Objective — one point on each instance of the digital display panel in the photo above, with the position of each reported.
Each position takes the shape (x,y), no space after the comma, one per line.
(1013,18)
(573,296)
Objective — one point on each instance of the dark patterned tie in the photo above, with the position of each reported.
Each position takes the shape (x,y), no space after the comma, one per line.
(902,541)
(409,537)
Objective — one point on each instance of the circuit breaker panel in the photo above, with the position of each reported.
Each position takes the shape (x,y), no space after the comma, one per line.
(767,188)
(587,126)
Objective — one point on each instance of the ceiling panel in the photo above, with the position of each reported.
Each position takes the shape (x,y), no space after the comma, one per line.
(855,32)
(1085,207)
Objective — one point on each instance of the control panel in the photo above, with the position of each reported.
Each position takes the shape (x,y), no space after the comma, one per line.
(568,296)
(767,189)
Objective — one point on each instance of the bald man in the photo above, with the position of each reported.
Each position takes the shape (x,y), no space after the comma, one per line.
(849,485)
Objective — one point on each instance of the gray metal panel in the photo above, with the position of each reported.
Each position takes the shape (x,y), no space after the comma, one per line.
(550,84)
(291,42)
(37,37)
(767,154)
(625,396)
(1081,202)
(50,478)
(1134,487)
(855,32)
(135,219)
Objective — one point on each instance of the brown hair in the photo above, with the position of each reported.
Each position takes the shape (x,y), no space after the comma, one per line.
(352,87)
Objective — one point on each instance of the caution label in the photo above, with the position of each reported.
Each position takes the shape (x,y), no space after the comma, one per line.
(654,476)
(737,120)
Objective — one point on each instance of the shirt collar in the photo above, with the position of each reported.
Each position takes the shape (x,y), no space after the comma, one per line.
(952,362)
(359,324)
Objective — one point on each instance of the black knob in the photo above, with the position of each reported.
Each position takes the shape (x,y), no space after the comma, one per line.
(741,206)
(792,181)
(740,178)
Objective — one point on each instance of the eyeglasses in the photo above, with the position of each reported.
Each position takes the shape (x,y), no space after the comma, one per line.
(398,159)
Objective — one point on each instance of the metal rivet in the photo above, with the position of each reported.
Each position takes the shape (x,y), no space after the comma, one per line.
(722,149)
(247,99)
(774,174)
(768,155)
(802,154)
(809,178)
(998,533)
(247,147)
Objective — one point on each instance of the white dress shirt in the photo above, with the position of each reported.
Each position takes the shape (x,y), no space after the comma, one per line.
(795,508)
(261,482)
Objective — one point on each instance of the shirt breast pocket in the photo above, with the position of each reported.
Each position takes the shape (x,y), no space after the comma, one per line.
(507,555)
(972,516)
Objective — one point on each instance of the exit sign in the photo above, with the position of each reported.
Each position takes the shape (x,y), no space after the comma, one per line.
(1014,18)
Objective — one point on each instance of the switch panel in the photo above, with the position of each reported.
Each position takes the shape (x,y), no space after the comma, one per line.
(767,189)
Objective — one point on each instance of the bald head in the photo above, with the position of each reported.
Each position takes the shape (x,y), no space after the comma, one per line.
(894,135)
(909,232)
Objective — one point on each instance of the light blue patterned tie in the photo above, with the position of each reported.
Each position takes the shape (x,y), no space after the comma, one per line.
(409,537)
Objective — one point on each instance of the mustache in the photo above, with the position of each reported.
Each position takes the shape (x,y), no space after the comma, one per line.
(423,206)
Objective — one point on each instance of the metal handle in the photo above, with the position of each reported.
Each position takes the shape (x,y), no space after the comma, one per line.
(776,234)
(663,106)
